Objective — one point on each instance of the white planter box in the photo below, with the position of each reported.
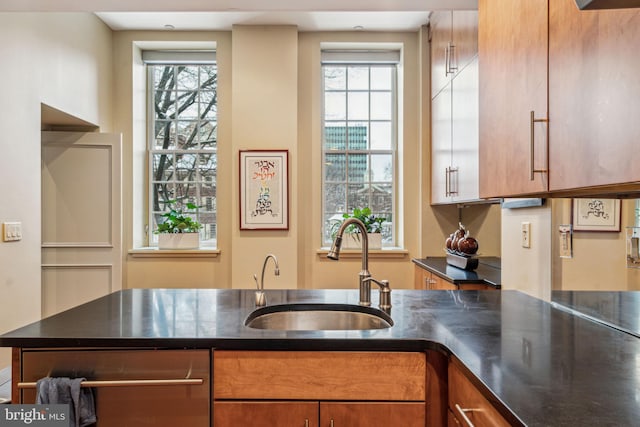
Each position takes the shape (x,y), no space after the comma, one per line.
(178,240)
(353,241)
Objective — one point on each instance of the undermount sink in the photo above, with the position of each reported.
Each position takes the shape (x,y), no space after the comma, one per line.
(318,317)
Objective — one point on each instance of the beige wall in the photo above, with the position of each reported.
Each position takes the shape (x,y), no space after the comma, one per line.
(599,259)
(273,76)
(130,119)
(44,61)
(527,269)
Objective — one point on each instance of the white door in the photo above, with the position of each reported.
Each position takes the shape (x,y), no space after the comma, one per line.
(81,218)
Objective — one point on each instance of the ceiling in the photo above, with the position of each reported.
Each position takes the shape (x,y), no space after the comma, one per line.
(307,15)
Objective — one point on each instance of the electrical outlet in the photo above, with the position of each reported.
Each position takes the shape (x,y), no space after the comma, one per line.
(11,231)
(526,235)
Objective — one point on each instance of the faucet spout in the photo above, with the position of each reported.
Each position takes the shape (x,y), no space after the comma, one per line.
(334,254)
(261,299)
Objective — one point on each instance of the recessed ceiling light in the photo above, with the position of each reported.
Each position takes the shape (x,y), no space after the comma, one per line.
(358,28)
(169,27)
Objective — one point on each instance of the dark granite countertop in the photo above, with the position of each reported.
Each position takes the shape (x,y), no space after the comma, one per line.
(488,271)
(617,309)
(548,366)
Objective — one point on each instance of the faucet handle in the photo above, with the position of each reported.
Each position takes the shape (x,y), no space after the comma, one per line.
(385,292)
(385,295)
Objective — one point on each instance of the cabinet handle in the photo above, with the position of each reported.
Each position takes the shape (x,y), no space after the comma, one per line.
(331,423)
(446,182)
(452,191)
(446,61)
(452,58)
(533,135)
(306,422)
(463,414)
(128,383)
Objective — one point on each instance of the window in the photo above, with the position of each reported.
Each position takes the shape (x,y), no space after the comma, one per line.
(183,140)
(359,137)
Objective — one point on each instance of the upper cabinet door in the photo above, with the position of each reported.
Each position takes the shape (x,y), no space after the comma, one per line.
(454,44)
(464,35)
(440,23)
(512,44)
(594,96)
(463,180)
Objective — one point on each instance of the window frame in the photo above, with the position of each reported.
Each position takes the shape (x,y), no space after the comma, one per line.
(378,58)
(177,58)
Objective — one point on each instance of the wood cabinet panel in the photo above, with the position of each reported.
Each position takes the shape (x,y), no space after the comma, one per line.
(464,31)
(441,144)
(265,414)
(372,414)
(512,46)
(454,109)
(594,96)
(465,398)
(318,375)
(464,134)
(440,24)
(156,405)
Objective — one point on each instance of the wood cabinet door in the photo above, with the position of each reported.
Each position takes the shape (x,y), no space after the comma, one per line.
(421,277)
(464,34)
(512,46)
(441,146)
(372,414)
(463,181)
(440,24)
(594,96)
(265,414)
(135,404)
(438,283)
(465,400)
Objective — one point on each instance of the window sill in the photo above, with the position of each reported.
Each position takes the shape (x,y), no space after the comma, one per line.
(385,253)
(177,253)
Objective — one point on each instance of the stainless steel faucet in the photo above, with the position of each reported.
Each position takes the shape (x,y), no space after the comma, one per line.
(364,276)
(261,298)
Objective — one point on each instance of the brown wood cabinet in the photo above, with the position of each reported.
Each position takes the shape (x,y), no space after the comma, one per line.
(454,43)
(544,60)
(467,405)
(133,403)
(425,279)
(294,388)
(454,107)
(512,50)
(594,96)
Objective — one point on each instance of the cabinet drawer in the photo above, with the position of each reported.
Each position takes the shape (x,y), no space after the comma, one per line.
(139,405)
(372,414)
(319,375)
(265,414)
(465,397)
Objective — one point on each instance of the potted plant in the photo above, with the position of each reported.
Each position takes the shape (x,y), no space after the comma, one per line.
(351,238)
(178,230)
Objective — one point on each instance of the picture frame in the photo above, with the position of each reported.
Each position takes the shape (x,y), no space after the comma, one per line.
(596,214)
(264,189)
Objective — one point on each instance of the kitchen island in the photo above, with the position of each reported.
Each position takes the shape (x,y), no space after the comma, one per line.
(537,364)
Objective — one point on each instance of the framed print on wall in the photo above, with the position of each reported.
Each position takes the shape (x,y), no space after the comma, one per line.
(264,190)
(596,214)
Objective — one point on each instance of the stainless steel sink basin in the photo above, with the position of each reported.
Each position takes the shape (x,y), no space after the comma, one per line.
(318,317)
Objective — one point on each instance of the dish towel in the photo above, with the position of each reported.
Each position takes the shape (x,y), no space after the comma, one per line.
(67,390)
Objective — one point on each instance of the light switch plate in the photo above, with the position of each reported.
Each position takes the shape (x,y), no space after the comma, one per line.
(566,240)
(11,231)
(526,234)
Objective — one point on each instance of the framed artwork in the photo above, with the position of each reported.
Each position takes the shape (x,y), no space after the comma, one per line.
(264,190)
(596,214)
